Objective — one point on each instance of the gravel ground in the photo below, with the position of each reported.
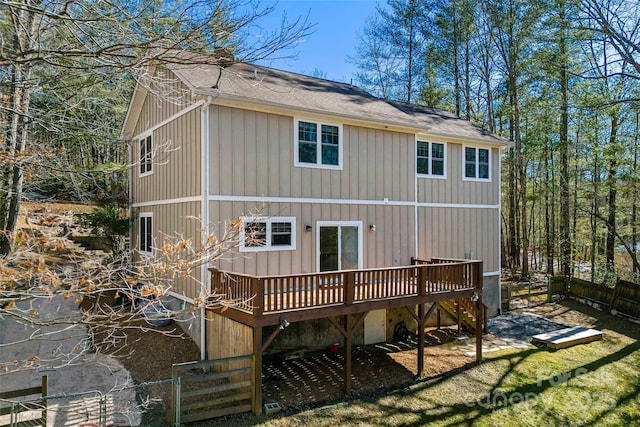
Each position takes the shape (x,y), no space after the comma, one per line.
(522,326)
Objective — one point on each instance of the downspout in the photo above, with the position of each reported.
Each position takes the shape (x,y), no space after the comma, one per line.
(415,197)
(204,217)
(130,207)
(499,233)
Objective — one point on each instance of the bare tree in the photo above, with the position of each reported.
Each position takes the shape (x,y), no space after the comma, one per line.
(48,43)
(618,23)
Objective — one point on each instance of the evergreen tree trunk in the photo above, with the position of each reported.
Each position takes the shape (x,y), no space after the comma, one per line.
(634,197)
(613,191)
(565,232)
(549,212)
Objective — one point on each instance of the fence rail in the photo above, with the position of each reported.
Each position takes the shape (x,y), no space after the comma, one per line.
(13,403)
(259,295)
(212,388)
(623,298)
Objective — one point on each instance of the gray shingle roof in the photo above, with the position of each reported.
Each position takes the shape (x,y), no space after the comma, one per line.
(268,86)
(442,122)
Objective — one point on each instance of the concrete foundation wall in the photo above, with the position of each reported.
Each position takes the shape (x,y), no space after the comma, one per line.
(314,334)
(491,295)
(188,320)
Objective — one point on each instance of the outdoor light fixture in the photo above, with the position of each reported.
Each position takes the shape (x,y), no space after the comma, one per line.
(474,297)
(372,227)
(283,322)
(307,227)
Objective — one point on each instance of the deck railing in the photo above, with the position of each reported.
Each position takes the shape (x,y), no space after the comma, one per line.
(258,295)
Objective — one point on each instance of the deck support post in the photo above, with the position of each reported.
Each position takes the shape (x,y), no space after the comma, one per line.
(348,341)
(420,335)
(479,310)
(257,370)
(479,328)
(421,319)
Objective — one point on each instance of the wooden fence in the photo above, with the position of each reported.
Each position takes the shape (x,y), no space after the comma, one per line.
(212,388)
(623,298)
(12,403)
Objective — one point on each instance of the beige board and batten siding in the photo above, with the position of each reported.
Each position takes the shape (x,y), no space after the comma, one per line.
(165,97)
(392,244)
(167,219)
(176,164)
(251,154)
(455,189)
(459,232)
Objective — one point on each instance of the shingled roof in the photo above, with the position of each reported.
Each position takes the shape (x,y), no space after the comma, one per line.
(271,87)
(444,123)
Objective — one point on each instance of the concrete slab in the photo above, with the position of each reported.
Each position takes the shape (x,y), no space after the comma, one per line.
(568,337)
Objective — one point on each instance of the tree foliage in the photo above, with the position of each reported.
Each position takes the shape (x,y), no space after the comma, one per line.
(560,79)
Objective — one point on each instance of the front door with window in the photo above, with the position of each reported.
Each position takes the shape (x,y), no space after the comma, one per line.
(339,246)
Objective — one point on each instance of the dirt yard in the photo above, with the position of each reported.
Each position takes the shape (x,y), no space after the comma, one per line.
(304,382)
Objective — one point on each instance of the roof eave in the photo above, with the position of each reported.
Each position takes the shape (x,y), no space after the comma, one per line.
(274,107)
(494,142)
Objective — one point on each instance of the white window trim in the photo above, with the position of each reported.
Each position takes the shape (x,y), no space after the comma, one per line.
(319,165)
(268,247)
(143,137)
(336,224)
(142,215)
(444,159)
(476,148)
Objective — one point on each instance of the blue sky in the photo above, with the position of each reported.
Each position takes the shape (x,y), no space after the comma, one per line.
(334,36)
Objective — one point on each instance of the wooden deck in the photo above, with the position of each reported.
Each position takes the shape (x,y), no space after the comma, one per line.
(260,301)
(267,300)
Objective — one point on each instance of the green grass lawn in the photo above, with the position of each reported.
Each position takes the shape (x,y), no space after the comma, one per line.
(590,384)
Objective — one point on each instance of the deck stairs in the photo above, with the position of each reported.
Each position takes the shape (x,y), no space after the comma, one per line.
(464,311)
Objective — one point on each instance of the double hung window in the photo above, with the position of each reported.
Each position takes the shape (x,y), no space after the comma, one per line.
(430,159)
(318,144)
(477,164)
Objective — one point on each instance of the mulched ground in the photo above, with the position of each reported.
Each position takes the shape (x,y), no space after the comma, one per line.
(296,384)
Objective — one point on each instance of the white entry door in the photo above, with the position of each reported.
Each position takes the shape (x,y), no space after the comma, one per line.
(375,327)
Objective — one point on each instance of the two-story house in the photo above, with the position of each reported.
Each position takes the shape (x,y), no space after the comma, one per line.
(324,176)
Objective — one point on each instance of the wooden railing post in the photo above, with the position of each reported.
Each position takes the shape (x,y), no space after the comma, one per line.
(422,285)
(479,328)
(349,283)
(215,280)
(478,275)
(258,291)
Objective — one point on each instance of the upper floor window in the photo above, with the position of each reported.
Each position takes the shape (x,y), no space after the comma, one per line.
(145,233)
(146,148)
(268,234)
(318,144)
(477,163)
(430,159)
